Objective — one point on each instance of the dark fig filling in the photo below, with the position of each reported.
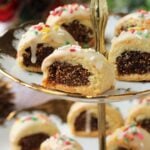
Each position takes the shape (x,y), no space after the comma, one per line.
(80,123)
(33,142)
(80,32)
(81,120)
(41,53)
(145,124)
(5,112)
(68,74)
(133,62)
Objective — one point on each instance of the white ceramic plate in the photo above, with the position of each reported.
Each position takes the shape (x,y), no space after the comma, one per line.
(8,66)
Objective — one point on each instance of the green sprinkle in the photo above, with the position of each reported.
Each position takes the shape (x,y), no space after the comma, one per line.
(134,131)
(126,140)
(34,119)
(133,125)
(71,139)
(35,32)
(139,33)
(67,42)
(64,9)
(85,45)
(147,35)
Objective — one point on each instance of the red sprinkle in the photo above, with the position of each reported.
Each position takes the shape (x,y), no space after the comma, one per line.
(72,50)
(142,11)
(71,11)
(47,25)
(141,137)
(126,129)
(38,28)
(85,6)
(67,143)
(132,31)
(55,136)
(57,12)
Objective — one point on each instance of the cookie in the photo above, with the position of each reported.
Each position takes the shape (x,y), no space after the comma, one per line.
(140,114)
(129,138)
(38,42)
(29,132)
(76,70)
(82,119)
(60,142)
(75,19)
(130,55)
(140,18)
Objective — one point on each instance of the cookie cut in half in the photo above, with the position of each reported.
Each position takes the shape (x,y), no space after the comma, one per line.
(38,42)
(29,132)
(75,70)
(82,119)
(130,55)
(75,19)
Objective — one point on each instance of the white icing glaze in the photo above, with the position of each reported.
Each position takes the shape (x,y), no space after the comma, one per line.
(135,137)
(140,34)
(135,39)
(43,34)
(130,40)
(29,125)
(69,12)
(101,76)
(141,15)
(33,53)
(137,19)
(74,50)
(88,121)
(60,142)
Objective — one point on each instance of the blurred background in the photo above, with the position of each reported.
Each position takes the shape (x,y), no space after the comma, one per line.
(38,9)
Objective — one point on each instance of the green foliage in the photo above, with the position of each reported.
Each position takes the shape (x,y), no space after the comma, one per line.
(128,5)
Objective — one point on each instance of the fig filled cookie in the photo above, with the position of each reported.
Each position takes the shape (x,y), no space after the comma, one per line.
(75,19)
(29,132)
(140,18)
(60,142)
(82,119)
(130,55)
(129,138)
(140,114)
(75,70)
(38,42)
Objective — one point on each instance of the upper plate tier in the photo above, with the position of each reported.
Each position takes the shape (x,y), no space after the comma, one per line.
(8,66)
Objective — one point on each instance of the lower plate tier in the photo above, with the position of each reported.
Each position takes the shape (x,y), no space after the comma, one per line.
(93,144)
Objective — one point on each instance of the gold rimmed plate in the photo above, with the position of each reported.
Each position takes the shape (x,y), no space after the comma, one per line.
(9,67)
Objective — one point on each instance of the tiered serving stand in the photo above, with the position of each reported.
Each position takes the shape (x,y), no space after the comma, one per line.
(121,91)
